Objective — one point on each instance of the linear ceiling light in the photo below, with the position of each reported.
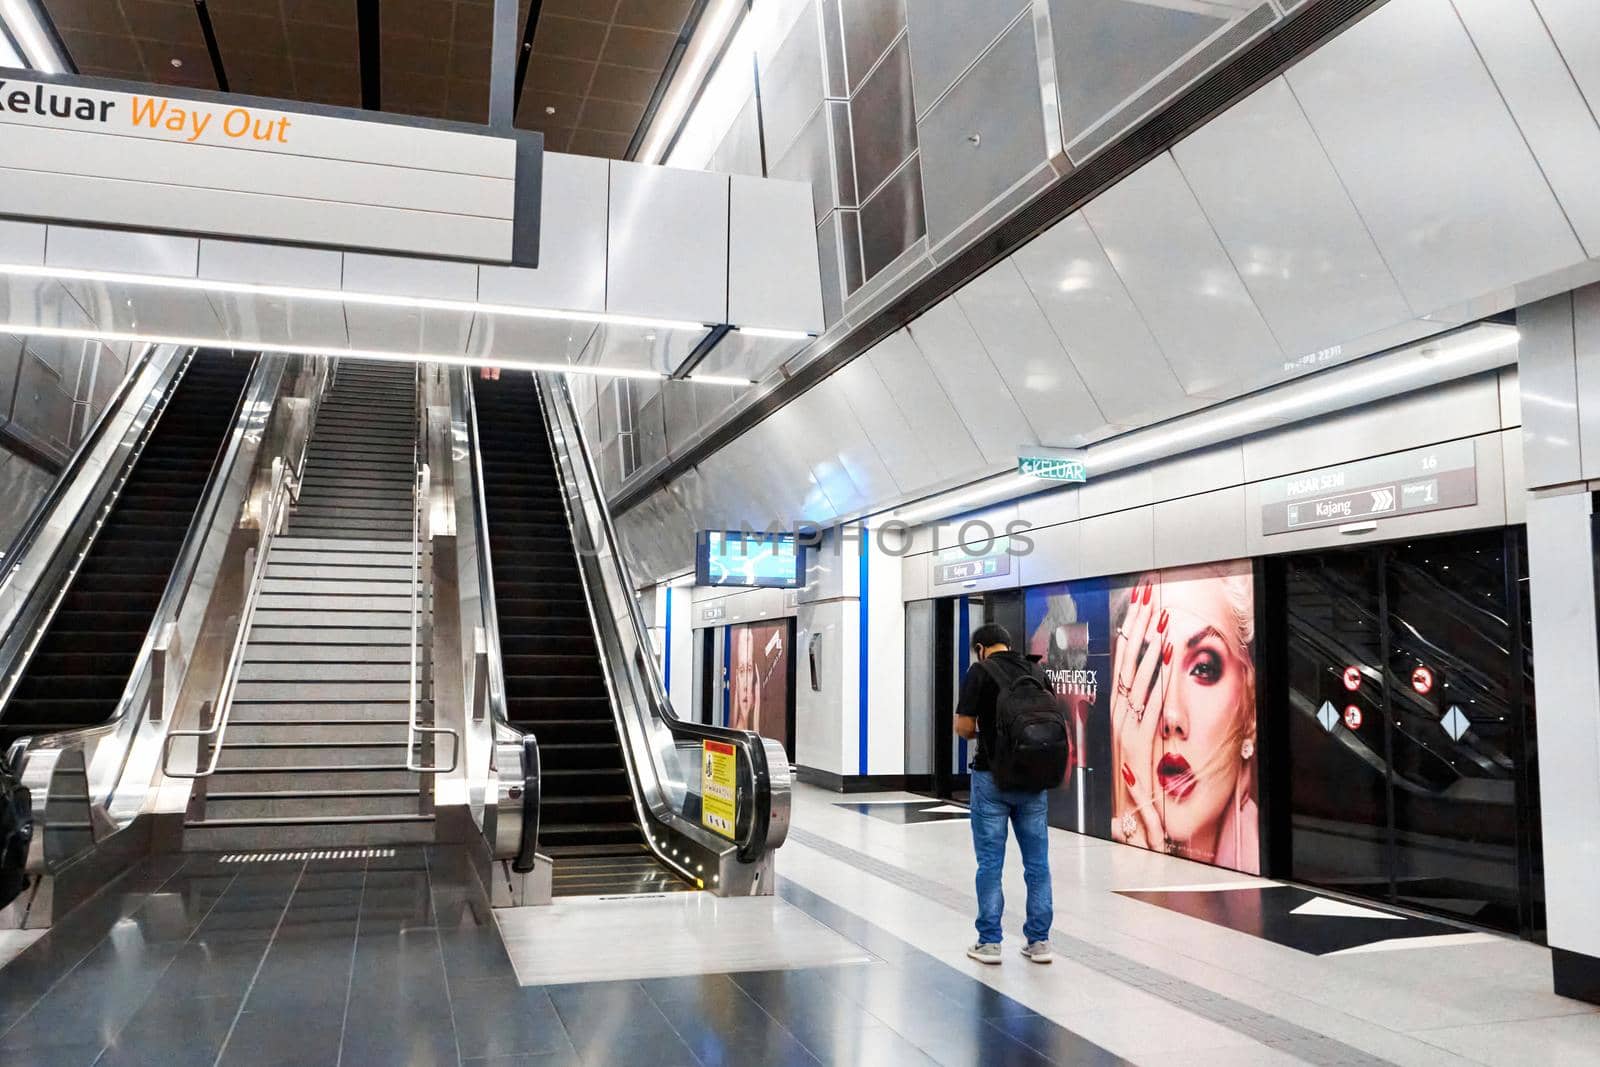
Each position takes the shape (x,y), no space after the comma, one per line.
(341,296)
(703,48)
(9,56)
(22,19)
(778,335)
(507,362)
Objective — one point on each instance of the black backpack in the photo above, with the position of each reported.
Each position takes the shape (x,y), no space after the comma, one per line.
(1030,747)
(16,832)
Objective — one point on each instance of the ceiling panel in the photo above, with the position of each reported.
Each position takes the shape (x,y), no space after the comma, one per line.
(591,71)
(1432,159)
(1019,339)
(972,382)
(1182,281)
(1095,319)
(1288,225)
(833,425)
(890,433)
(945,444)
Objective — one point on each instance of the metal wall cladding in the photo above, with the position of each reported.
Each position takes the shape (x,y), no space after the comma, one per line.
(740,150)
(944,45)
(1108,50)
(883,122)
(851,266)
(829,254)
(986,135)
(892,220)
(22,486)
(869,27)
(832,48)
(43,404)
(846,192)
(808,159)
(10,367)
(792,84)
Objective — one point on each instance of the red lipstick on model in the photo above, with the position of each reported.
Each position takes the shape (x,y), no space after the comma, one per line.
(1176,776)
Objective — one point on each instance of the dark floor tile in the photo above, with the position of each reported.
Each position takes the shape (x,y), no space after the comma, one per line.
(160,1050)
(564,1058)
(385,1043)
(864,1044)
(79,1055)
(1053,1040)
(474,954)
(654,1046)
(714,1019)
(495,1018)
(768,1044)
(199,1017)
(701,988)
(211,967)
(273,1039)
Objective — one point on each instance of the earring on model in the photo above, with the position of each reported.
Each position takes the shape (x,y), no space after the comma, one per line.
(1247,749)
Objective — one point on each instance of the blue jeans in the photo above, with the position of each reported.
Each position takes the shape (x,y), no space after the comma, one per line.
(1028,814)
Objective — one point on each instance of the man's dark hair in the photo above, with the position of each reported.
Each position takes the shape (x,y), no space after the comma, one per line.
(990,634)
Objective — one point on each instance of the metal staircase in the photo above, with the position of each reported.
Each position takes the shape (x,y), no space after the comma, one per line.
(318,741)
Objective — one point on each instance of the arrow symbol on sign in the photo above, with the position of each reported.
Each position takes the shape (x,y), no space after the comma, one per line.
(1383,500)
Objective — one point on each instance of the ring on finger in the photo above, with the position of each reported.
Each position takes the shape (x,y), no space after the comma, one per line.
(1124,689)
(1138,711)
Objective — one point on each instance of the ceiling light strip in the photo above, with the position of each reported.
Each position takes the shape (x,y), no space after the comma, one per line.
(456,360)
(22,19)
(706,46)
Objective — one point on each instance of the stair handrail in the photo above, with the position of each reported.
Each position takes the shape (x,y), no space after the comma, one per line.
(414,726)
(770,775)
(281,493)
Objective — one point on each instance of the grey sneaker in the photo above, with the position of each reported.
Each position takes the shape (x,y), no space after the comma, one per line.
(984,953)
(1039,951)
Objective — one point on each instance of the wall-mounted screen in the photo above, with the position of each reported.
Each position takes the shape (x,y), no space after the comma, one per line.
(750,559)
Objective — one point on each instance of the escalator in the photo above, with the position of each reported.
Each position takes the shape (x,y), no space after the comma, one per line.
(79,669)
(555,687)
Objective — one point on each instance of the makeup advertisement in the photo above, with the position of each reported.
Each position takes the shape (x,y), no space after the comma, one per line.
(758,679)
(1156,674)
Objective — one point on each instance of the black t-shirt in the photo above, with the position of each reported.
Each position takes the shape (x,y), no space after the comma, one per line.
(980,692)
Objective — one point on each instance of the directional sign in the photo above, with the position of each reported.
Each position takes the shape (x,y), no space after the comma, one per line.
(1328,716)
(1425,479)
(1454,723)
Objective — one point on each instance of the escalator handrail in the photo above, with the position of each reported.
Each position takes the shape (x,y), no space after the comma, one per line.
(748,741)
(495,687)
(37,520)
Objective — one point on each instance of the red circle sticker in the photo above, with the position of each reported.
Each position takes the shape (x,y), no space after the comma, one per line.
(1352,678)
(1422,680)
(1352,717)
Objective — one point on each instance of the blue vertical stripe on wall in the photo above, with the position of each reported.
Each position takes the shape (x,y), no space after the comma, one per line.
(727,674)
(963,664)
(666,651)
(862,654)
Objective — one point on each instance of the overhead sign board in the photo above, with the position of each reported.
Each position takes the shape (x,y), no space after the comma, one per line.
(1406,483)
(257,170)
(1052,464)
(972,562)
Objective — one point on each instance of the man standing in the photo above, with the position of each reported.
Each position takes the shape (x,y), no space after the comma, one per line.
(1007,706)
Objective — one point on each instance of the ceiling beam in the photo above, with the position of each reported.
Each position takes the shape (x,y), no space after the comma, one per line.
(209,31)
(508,60)
(370,42)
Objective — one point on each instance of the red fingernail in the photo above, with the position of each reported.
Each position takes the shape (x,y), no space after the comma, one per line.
(1127,775)
(1166,654)
(1148,589)
(1161,623)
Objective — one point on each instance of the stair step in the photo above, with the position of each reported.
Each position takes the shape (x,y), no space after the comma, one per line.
(244,835)
(253,670)
(313,732)
(332,754)
(264,652)
(247,806)
(263,692)
(313,711)
(290,779)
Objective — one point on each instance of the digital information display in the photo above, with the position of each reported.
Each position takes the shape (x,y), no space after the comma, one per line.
(756,559)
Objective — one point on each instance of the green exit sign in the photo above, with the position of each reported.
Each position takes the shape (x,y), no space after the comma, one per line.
(1053,468)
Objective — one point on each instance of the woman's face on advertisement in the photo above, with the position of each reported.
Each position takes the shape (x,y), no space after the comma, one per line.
(744,669)
(1198,744)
